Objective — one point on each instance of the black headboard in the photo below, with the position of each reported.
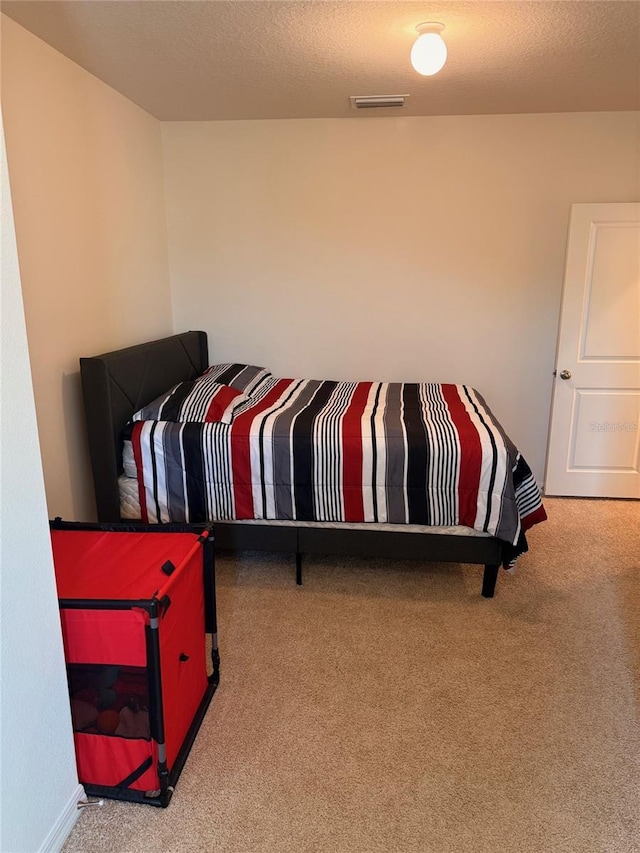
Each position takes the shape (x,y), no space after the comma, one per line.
(117,384)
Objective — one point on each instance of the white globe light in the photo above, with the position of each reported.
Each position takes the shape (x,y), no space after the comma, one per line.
(429,52)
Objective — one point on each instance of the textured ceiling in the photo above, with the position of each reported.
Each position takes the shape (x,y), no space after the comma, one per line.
(243,59)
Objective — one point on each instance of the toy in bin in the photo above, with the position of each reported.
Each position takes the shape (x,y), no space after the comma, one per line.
(109,700)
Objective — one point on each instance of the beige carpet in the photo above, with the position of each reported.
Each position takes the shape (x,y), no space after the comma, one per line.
(386,706)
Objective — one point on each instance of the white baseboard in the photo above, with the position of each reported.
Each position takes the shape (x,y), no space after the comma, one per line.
(59,833)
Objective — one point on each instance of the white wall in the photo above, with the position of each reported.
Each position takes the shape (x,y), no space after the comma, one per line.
(38,782)
(390,248)
(87,184)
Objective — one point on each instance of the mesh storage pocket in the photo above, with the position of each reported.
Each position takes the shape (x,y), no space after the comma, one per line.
(109,700)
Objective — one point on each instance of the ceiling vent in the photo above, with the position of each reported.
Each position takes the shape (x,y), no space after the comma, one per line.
(368,102)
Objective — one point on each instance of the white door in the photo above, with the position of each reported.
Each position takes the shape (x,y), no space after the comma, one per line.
(594,440)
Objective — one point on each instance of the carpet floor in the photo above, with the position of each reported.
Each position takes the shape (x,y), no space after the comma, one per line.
(386,707)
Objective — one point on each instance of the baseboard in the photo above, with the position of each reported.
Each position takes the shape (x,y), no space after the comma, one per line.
(59,833)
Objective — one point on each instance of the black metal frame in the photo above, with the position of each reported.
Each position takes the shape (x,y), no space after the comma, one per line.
(168,776)
(117,384)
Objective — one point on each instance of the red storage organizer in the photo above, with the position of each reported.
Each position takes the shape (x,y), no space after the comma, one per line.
(136,605)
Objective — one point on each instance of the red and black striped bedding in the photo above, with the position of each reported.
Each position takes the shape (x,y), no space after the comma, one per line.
(312,450)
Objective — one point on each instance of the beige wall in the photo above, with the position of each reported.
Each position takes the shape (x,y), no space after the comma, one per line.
(390,248)
(85,166)
(38,781)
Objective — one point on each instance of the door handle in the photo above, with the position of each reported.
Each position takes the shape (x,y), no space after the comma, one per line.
(565,374)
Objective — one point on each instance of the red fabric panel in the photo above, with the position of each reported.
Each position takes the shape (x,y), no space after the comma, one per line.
(186,565)
(352,450)
(104,760)
(105,636)
(108,565)
(470,456)
(184,683)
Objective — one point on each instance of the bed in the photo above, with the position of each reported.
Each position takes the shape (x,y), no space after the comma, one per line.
(144,407)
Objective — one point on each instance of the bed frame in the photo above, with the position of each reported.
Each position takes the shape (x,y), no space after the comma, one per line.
(117,384)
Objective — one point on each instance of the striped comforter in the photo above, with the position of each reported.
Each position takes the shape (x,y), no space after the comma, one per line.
(311,450)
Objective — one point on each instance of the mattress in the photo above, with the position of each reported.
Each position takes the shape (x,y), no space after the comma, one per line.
(130,510)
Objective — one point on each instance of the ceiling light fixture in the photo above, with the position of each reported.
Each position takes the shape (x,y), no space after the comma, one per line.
(429,52)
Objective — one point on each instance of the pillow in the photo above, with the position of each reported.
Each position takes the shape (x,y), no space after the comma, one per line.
(245,377)
(201,400)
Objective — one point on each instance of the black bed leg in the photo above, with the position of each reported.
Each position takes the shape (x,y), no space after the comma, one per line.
(489,580)
(298,568)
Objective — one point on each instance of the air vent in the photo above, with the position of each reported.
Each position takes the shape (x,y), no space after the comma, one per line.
(369,102)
